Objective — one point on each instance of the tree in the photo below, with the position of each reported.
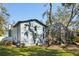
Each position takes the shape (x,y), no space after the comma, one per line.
(62,15)
(3,19)
(48,13)
(66,13)
(76,26)
(73,9)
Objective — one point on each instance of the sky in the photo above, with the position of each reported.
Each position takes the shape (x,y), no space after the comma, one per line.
(25,11)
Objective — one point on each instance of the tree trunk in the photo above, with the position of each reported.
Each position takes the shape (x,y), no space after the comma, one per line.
(50,14)
(50,23)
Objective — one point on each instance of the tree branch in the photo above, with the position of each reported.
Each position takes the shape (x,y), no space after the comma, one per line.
(71,17)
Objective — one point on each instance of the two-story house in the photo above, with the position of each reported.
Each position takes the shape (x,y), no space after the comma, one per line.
(30,32)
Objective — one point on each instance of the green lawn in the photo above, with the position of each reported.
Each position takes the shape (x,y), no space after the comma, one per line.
(33,51)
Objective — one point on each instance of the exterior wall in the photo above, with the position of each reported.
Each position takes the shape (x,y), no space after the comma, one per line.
(39,27)
(40,32)
(18,33)
(22,30)
(32,24)
(15,32)
(19,30)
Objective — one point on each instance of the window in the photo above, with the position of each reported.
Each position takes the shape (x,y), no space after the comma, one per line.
(35,28)
(26,24)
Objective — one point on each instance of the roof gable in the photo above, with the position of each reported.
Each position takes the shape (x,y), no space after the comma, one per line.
(29,21)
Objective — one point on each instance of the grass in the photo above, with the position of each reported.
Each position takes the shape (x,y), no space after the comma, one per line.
(33,51)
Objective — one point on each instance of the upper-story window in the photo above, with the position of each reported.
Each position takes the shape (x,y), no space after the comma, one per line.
(26,26)
(35,28)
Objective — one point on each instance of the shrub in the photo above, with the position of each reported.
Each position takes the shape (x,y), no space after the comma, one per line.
(77,39)
(0,43)
(72,39)
(7,43)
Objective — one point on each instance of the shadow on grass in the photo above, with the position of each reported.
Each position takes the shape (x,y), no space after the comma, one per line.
(75,52)
(5,51)
(45,52)
(32,51)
